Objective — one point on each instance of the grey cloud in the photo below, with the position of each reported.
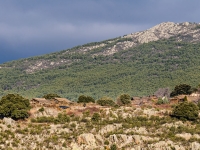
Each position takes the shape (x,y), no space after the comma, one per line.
(38,27)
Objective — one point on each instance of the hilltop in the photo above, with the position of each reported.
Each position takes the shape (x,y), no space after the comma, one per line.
(138,64)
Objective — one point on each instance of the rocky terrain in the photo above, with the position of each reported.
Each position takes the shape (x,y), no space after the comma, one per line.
(97,127)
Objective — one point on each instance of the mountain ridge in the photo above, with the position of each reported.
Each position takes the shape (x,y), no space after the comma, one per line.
(159,53)
(161,31)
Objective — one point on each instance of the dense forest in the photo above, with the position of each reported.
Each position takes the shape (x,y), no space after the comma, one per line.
(137,71)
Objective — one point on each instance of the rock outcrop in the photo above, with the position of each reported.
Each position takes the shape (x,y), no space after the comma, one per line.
(9,121)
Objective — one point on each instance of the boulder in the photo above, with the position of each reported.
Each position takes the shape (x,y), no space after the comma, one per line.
(9,121)
(186,136)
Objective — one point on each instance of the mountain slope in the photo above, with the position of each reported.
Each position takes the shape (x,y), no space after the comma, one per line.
(138,64)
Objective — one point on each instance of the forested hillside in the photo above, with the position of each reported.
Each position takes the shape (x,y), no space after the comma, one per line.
(107,68)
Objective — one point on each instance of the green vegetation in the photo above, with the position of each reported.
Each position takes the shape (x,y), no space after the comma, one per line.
(41,109)
(124,99)
(14,106)
(186,111)
(51,96)
(85,99)
(113,147)
(61,118)
(106,101)
(114,124)
(181,89)
(96,117)
(163,100)
(136,71)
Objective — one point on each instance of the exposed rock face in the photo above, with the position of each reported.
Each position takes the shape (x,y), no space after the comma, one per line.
(47,112)
(165,145)
(109,128)
(188,32)
(87,138)
(164,31)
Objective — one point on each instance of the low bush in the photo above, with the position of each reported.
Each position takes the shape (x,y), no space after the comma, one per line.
(41,109)
(61,118)
(163,100)
(51,96)
(85,99)
(113,147)
(106,101)
(96,117)
(124,99)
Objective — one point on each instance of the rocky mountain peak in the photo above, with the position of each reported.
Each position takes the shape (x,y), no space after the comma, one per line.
(165,30)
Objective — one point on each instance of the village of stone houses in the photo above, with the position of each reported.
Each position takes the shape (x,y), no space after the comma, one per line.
(155,122)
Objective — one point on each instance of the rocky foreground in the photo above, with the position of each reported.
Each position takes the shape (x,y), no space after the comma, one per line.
(95,127)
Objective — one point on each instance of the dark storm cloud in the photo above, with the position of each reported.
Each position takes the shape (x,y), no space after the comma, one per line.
(29,28)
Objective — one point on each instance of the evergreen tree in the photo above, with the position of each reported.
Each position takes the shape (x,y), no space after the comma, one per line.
(14,106)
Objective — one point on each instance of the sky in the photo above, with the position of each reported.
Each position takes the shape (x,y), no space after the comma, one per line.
(37,27)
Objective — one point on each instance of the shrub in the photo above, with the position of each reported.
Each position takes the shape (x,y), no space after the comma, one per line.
(14,106)
(51,96)
(106,101)
(113,147)
(41,109)
(181,89)
(85,99)
(43,119)
(106,142)
(61,118)
(124,99)
(96,117)
(186,111)
(163,100)
(185,99)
